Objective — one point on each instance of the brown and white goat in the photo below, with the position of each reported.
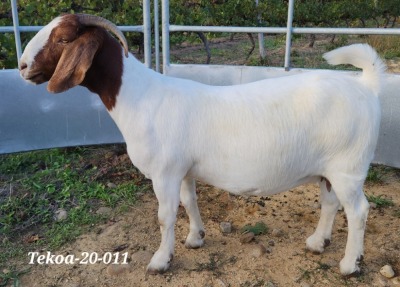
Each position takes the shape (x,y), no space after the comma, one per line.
(253,139)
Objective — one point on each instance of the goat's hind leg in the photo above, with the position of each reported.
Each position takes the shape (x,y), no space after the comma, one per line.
(351,196)
(329,206)
(189,201)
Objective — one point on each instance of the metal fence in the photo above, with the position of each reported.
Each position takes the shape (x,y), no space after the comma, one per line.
(167,28)
(45,120)
(289,30)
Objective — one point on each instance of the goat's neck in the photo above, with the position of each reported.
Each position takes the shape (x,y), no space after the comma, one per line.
(113,76)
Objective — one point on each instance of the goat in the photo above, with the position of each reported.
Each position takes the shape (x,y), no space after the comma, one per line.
(259,138)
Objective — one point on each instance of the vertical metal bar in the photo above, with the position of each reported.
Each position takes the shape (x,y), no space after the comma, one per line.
(261,47)
(156,36)
(289,34)
(147,33)
(165,34)
(17,34)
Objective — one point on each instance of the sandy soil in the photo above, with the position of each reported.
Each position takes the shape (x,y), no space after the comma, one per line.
(224,260)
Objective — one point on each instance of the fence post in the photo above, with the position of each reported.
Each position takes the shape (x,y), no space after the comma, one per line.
(156,36)
(147,33)
(14,10)
(165,34)
(289,34)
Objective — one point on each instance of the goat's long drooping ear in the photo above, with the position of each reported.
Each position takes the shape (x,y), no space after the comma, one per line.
(75,60)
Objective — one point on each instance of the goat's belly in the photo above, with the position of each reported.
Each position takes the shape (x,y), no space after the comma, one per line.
(254,184)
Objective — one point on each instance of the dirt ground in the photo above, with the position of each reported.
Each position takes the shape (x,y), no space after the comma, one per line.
(277,258)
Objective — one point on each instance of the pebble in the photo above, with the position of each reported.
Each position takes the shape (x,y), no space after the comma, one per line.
(226,227)
(111,185)
(271,243)
(104,210)
(117,269)
(60,214)
(387,271)
(258,250)
(246,237)
(6,271)
(277,232)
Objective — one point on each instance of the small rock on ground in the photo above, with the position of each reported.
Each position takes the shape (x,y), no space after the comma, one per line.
(226,227)
(387,271)
(104,210)
(111,185)
(277,232)
(246,237)
(258,250)
(60,214)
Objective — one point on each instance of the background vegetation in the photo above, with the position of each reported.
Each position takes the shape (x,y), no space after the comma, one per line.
(326,13)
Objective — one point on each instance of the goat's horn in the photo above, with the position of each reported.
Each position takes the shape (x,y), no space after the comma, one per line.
(104,23)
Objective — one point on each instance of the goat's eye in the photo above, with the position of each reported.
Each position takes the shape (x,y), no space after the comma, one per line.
(63,41)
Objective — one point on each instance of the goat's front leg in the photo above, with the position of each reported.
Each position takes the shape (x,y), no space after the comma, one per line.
(189,201)
(167,192)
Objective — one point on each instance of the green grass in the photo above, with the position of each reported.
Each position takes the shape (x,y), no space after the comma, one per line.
(380,201)
(34,185)
(258,228)
(376,174)
(11,275)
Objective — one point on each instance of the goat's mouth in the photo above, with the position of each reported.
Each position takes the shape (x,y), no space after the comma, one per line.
(37,78)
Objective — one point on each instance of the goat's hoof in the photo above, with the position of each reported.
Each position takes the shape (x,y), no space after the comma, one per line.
(195,241)
(191,245)
(156,266)
(317,246)
(349,270)
(154,271)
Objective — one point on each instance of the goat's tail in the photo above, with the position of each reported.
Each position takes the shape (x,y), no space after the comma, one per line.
(361,56)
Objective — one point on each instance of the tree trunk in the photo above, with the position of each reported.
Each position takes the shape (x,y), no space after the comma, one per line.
(312,41)
(203,38)
(253,45)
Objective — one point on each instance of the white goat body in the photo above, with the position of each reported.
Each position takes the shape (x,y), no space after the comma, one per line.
(259,138)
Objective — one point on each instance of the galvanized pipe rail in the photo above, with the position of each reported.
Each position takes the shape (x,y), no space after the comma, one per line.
(288,30)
